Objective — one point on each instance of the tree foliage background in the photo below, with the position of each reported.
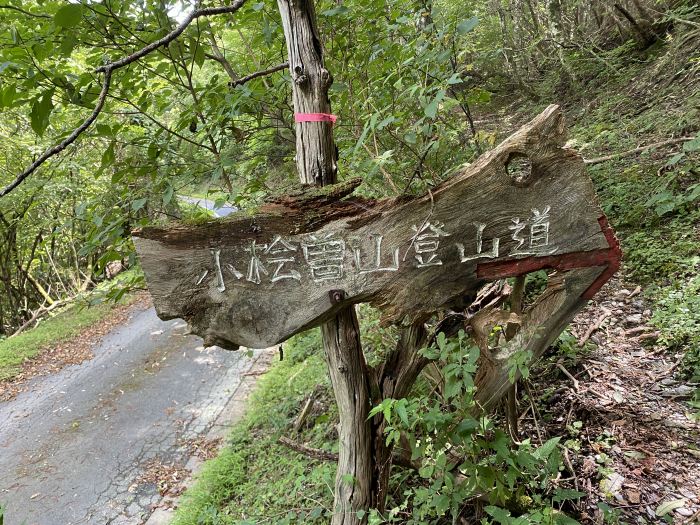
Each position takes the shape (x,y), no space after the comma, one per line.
(181,121)
(417,88)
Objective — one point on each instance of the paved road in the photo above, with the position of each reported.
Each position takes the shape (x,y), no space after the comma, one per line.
(73,445)
(209,205)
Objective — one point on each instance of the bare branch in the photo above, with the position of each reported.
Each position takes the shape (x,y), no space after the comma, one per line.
(58,148)
(107,69)
(35,15)
(314,453)
(172,35)
(634,151)
(257,74)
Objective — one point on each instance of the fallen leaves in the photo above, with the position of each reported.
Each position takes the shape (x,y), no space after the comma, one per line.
(73,351)
(167,477)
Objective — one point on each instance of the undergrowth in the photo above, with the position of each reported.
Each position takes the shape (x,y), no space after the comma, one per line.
(652,200)
(256,480)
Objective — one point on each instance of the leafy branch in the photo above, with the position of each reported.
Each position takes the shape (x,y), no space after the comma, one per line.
(107,70)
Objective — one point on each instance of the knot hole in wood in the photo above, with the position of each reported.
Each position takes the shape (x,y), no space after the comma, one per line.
(519,168)
(299,75)
(326,78)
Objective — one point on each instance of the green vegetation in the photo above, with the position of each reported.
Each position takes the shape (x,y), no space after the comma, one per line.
(257,480)
(50,332)
(420,89)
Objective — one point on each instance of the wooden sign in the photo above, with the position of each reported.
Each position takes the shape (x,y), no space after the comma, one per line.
(255,280)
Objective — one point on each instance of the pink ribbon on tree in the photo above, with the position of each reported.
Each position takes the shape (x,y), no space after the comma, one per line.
(315,117)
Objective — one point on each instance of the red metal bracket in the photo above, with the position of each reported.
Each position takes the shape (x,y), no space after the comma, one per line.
(610,258)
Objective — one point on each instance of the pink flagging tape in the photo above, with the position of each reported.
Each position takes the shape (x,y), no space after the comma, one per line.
(315,117)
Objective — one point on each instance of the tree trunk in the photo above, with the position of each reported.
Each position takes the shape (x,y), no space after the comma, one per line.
(316,156)
(347,368)
(316,151)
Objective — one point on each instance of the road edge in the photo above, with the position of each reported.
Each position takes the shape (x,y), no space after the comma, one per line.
(231,414)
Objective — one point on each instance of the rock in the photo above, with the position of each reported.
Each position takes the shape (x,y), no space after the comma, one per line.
(612,484)
(633,319)
(646,313)
(684,512)
(687,493)
(622,294)
(633,496)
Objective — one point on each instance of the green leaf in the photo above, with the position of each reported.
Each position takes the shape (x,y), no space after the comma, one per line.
(566,494)
(197,52)
(7,97)
(402,413)
(546,449)
(104,130)
(692,145)
(498,514)
(692,193)
(340,10)
(664,208)
(138,204)
(426,471)
(40,51)
(432,108)
(668,506)
(41,110)
(108,156)
(68,43)
(468,25)
(441,502)
(674,160)
(68,15)
(168,195)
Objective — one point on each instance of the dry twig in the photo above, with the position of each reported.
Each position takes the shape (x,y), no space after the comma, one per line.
(599,160)
(594,326)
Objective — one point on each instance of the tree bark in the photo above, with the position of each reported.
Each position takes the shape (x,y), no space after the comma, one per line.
(347,368)
(316,151)
(316,160)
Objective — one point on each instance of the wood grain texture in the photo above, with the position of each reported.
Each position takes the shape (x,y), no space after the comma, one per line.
(315,151)
(236,302)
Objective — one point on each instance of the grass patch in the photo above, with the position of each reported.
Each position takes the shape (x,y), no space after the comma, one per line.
(255,480)
(61,327)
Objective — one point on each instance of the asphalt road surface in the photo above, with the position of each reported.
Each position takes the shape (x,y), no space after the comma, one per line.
(209,205)
(74,446)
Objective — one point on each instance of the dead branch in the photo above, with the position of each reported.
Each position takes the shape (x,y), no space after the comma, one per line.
(58,148)
(107,69)
(594,327)
(561,367)
(304,414)
(599,160)
(258,74)
(314,453)
(41,311)
(325,455)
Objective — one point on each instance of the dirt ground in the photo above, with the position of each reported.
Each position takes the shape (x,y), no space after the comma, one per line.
(632,441)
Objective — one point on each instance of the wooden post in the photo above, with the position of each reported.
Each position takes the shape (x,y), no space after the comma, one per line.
(316,156)
(256,281)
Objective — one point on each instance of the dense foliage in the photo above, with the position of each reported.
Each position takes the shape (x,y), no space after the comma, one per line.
(420,88)
(182,120)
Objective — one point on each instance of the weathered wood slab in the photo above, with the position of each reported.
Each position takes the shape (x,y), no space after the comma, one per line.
(257,280)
